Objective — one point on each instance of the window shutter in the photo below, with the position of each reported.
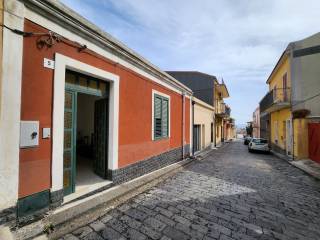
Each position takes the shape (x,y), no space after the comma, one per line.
(157,117)
(165,117)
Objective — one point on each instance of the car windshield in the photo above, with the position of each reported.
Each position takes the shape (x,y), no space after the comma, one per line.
(258,140)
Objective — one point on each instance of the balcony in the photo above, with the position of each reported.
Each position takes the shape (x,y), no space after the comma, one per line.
(222,110)
(276,99)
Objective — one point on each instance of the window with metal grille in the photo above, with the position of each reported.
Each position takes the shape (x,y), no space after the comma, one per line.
(161,117)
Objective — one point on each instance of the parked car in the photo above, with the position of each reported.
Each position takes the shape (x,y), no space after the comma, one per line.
(258,144)
(247,140)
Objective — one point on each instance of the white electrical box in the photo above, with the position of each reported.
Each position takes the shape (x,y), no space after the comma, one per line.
(48,63)
(46,132)
(29,134)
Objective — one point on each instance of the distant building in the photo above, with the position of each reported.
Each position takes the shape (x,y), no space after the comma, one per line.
(202,125)
(256,123)
(203,86)
(206,88)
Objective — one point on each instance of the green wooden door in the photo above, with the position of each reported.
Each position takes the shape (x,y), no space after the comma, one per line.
(69,151)
(101,137)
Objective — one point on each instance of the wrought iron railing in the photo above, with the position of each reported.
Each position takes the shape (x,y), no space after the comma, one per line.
(223,109)
(277,95)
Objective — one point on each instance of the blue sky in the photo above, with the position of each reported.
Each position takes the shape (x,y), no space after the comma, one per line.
(239,41)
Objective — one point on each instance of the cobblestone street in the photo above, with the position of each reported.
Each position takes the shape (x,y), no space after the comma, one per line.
(231,194)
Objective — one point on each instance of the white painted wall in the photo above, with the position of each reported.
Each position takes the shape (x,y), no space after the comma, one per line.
(10,93)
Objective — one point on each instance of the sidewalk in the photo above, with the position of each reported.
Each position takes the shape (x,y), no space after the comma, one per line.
(306,165)
(92,207)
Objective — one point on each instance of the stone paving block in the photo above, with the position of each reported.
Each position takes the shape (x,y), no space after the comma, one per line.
(132,223)
(155,224)
(117,225)
(189,231)
(199,228)
(150,232)
(110,234)
(165,220)
(224,237)
(164,212)
(97,226)
(181,220)
(135,235)
(147,211)
(137,214)
(175,234)
(106,218)
(81,232)
(92,236)
(165,238)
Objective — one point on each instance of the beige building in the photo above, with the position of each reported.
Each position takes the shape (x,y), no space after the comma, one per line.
(203,124)
(256,123)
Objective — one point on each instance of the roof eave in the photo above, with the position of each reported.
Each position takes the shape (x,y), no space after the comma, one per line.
(70,17)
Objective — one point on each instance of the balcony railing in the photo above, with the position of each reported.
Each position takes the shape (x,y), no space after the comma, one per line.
(276,99)
(223,110)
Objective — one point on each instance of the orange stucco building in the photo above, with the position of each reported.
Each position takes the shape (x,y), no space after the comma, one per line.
(89,106)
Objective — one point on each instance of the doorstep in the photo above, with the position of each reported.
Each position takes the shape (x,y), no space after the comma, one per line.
(308,166)
(86,190)
(98,204)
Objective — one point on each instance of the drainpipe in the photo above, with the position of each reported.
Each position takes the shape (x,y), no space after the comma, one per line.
(183,122)
(292,138)
(214,115)
(192,126)
(291,95)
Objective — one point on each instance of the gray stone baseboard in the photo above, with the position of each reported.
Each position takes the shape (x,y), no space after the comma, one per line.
(146,166)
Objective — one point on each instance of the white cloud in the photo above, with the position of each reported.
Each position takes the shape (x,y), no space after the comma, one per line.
(237,40)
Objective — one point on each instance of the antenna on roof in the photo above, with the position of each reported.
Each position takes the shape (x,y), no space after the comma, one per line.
(222,81)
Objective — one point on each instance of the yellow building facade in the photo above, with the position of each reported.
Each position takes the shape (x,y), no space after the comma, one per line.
(280,83)
(288,133)
(277,103)
(221,111)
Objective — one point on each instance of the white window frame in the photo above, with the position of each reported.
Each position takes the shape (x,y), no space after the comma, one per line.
(155,92)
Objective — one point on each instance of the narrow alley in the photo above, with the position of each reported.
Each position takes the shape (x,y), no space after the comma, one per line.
(231,194)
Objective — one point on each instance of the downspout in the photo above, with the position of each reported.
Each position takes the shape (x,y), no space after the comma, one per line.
(291,95)
(192,127)
(183,122)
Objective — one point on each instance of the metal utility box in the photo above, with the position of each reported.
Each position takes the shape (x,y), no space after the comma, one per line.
(29,134)
(46,133)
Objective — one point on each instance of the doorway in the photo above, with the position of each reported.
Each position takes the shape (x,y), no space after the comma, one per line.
(85,133)
(314,141)
(196,138)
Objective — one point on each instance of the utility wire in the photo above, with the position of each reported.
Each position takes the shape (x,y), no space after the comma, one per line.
(22,33)
(309,98)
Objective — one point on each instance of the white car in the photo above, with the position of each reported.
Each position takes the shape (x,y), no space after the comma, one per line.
(258,144)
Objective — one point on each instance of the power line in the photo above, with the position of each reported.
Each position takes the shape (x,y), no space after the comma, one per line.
(309,98)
